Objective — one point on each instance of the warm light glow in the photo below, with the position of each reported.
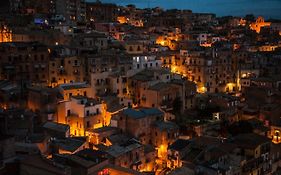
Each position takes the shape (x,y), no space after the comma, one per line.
(256,26)
(162,151)
(169,40)
(230,87)
(242,22)
(276,137)
(122,19)
(202,90)
(5,34)
(206,44)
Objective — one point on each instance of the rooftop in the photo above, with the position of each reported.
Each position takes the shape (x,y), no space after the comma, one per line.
(56,126)
(179,144)
(69,86)
(165,125)
(118,150)
(142,113)
(250,140)
(70,144)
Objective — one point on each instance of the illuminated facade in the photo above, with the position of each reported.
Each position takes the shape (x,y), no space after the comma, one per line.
(81,113)
(5,34)
(211,70)
(76,89)
(66,70)
(134,47)
(260,23)
(143,80)
(170,39)
(276,135)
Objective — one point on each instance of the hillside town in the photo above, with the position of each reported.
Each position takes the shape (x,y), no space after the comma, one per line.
(93,88)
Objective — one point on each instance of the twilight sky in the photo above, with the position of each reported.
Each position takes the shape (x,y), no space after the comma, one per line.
(266,8)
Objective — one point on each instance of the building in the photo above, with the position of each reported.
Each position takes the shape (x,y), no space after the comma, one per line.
(145,79)
(73,11)
(176,152)
(138,122)
(163,134)
(101,12)
(260,23)
(81,113)
(43,101)
(26,62)
(256,148)
(69,145)
(66,70)
(5,34)
(57,130)
(75,89)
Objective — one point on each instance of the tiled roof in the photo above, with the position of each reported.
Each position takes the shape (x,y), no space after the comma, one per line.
(141,113)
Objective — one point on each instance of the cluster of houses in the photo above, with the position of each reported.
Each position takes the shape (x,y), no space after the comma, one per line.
(95,88)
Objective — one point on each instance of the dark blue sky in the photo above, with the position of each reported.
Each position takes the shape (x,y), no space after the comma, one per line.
(266,8)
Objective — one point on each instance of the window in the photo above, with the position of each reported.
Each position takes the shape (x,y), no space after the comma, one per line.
(124,91)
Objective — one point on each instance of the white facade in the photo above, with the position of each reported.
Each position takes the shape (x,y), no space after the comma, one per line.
(144,62)
(77,107)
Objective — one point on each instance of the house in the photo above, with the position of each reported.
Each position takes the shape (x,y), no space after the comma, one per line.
(57,130)
(138,122)
(29,64)
(75,89)
(130,154)
(99,135)
(81,113)
(69,145)
(256,148)
(176,151)
(163,134)
(35,164)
